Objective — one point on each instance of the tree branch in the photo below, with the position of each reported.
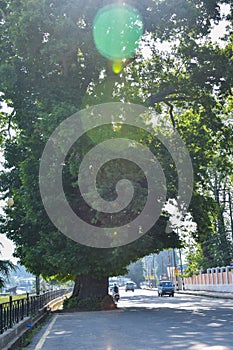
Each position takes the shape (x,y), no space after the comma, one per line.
(159,98)
(171,114)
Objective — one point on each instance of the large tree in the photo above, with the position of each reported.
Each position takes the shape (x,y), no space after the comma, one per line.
(50,69)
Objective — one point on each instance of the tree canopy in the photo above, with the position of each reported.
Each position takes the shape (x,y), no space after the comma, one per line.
(50,69)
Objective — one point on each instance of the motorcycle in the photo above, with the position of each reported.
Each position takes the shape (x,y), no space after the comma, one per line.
(116,297)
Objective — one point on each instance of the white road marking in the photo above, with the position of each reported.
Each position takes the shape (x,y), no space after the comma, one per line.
(46,333)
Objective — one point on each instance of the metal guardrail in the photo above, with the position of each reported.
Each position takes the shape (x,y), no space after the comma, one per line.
(14,311)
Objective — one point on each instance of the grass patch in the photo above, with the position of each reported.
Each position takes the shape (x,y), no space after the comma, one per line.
(32,332)
(6,298)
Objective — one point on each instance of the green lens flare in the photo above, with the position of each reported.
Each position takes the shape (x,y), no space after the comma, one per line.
(117,67)
(117,31)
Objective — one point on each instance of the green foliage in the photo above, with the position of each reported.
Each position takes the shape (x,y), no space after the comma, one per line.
(195,261)
(216,250)
(89,304)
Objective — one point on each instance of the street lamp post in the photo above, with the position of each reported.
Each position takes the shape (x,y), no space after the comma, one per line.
(10,202)
(175,266)
(181,270)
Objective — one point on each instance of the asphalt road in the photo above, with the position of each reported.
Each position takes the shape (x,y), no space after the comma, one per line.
(143,321)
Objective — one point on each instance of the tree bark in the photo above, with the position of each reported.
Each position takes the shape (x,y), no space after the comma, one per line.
(87,286)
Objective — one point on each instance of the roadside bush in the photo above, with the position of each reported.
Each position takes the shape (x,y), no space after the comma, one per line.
(89,304)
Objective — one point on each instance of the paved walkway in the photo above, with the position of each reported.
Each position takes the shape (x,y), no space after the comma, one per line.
(211,294)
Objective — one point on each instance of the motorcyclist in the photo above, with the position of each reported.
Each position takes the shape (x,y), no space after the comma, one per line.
(115,289)
(115,292)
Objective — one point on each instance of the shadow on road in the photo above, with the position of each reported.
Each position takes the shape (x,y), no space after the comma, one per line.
(146,322)
(183,322)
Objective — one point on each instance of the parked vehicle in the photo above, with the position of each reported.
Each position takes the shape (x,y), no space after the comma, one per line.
(166,288)
(129,286)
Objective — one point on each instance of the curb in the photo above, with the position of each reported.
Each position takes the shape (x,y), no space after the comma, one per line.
(15,337)
(207,294)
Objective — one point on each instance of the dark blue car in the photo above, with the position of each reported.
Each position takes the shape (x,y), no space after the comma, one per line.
(166,288)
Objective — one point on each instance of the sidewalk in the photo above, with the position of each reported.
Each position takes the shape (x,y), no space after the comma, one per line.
(209,294)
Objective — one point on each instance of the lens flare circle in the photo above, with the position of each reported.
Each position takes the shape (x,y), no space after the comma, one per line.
(117,30)
(54,158)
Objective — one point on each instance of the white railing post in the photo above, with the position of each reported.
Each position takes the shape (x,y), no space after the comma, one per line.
(212,273)
(222,270)
(216,271)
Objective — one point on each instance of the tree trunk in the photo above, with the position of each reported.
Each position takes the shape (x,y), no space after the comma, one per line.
(87,286)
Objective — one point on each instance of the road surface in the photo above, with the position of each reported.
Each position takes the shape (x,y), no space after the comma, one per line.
(143,321)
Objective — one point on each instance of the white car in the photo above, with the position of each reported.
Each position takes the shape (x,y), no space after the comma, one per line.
(130,286)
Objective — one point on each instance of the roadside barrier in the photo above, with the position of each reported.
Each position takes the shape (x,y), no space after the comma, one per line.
(15,311)
(216,279)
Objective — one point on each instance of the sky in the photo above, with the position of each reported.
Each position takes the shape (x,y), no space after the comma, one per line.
(7,248)
(6,251)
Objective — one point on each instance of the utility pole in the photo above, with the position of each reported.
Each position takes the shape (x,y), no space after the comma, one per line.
(37,285)
(231,216)
(181,270)
(169,265)
(175,267)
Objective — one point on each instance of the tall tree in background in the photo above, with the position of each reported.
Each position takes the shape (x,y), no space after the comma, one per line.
(135,272)
(50,69)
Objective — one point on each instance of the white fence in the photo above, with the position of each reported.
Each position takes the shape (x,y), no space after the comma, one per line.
(218,279)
